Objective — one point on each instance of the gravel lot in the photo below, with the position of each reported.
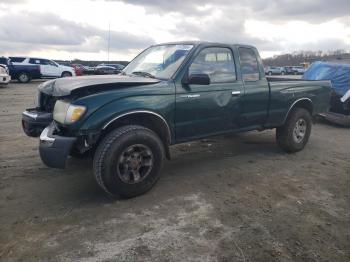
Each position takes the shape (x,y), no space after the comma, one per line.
(236,198)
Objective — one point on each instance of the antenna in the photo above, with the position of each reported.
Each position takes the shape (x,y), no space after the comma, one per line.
(109,39)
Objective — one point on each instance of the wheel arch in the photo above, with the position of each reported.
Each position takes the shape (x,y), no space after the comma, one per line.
(21,72)
(304,102)
(71,74)
(146,118)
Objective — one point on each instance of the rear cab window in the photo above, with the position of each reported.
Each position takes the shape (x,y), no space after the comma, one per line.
(217,63)
(249,64)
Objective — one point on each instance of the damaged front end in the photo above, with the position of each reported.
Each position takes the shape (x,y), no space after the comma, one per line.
(57,116)
(35,119)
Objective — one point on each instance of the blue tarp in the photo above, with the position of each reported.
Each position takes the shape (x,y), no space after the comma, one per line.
(338,74)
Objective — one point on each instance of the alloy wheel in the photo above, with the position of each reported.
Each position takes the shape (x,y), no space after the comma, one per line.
(299,130)
(135,164)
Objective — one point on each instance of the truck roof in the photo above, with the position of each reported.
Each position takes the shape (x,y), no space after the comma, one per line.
(203,43)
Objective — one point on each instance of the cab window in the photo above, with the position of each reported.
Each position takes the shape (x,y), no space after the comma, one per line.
(51,63)
(34,61)
(217,63)
(17,59)
(44,62)
(249,64)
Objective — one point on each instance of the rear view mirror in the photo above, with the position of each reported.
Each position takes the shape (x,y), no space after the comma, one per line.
(198,79)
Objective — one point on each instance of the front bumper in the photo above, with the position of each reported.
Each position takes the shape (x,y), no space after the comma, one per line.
(34,121)
(54,149)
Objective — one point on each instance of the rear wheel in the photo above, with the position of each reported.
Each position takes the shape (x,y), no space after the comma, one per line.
(23,77)
(128,160)
(294,134)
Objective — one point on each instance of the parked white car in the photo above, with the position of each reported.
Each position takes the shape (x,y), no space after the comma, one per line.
(5,78)
(48,68)
(298,70)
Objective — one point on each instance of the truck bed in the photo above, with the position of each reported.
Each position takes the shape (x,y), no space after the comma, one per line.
(284,79)
(286,91)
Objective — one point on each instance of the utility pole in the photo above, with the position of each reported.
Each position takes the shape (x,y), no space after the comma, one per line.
(109,39)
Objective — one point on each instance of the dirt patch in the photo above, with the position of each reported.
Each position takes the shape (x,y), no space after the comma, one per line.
(234,198)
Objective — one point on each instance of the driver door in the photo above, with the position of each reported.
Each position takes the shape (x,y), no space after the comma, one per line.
(208,109)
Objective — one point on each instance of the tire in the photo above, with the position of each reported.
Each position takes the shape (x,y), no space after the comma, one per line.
(23,77)
(292,138)
(115,165)
(66,74)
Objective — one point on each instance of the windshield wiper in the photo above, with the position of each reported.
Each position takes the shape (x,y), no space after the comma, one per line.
(144,74)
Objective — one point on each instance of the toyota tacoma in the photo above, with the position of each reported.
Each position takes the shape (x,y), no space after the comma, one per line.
(169,94)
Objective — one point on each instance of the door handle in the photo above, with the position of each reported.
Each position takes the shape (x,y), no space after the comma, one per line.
(191,96)
(236,93)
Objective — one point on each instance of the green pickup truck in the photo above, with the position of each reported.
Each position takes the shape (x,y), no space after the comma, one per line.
(169,94)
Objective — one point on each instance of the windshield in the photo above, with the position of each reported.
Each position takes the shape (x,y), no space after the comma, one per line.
(160,61)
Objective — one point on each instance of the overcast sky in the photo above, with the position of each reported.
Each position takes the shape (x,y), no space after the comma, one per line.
(68,29)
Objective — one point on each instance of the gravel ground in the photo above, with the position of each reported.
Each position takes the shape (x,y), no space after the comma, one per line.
(233,198)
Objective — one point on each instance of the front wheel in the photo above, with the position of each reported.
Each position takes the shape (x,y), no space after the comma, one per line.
(294,134)
(66,74)
(128,160)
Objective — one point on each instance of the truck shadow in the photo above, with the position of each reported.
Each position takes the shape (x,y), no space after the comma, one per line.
(190,160)
(220,163)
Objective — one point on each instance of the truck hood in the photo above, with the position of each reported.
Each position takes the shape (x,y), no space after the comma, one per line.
(65,86)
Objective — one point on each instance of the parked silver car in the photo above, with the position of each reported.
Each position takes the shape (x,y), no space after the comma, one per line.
(275,70)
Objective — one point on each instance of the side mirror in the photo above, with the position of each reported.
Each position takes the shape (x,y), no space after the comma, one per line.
(198,79)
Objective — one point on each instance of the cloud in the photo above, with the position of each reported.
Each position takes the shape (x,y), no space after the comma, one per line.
(29,26)
(224,20)
(39,31)
(310,10)
(307,10)
(12,2)
(190,7)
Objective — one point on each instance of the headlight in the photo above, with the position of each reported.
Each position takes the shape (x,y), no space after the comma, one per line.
(66,113)
(3,71)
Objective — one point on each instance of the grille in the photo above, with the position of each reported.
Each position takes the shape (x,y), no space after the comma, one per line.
(46,102)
